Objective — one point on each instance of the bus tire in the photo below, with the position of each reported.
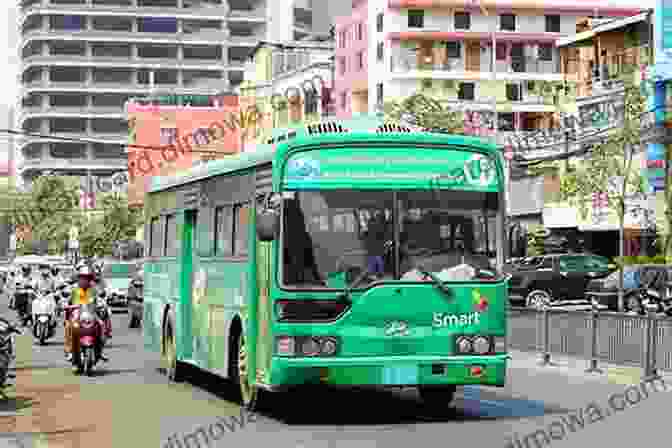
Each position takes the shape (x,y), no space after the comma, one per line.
(437,398)
(251,397)
(173,368)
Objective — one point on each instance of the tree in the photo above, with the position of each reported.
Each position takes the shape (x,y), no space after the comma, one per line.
(118,222)
(427,113)
(48,209)
(608,169)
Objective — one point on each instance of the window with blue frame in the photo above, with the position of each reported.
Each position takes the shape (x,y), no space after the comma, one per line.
(157,25)
(71,23)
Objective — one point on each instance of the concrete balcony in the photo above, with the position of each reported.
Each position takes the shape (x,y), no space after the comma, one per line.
(200,12)
(58,164)
(71,111)
(245,15)
(202,37)
(405,67)
(243,41)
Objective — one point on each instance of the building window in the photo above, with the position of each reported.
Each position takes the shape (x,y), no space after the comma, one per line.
(341,39)
(545,52)
(344,100)
(170,242)
(360,60)
(379,22)
(513,92)
(507,22)
(453,50)
(466,91)
(552,24)
(416,18)
(341,65)
(380,49)
(155,238)
(359,32)
(379,93)
(462,21)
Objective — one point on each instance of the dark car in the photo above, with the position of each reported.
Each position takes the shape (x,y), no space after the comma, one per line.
(135,300)
(547,278)
(636,281)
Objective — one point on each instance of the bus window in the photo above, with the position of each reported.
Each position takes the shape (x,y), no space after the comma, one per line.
(170,242)
(241,228)
(224,231)
(155,238)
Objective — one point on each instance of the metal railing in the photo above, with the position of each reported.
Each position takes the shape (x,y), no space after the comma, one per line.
(400,64)
(596,336)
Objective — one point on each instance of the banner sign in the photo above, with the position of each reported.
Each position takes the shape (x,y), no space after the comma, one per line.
(459,169)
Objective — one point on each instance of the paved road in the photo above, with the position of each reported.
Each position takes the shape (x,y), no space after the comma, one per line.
(130,404)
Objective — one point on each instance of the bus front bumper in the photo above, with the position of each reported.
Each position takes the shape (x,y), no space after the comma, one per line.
(391,371)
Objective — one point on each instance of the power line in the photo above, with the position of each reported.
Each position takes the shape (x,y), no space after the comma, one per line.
(173,147)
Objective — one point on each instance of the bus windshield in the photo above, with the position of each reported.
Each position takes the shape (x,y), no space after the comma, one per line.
(336,238)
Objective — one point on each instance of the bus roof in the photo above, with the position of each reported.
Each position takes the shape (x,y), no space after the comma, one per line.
(316,135)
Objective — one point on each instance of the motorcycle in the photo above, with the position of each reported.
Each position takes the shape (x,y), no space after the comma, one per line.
(62,297)
(23,297)
(89,334)
(44,317)
(7,332)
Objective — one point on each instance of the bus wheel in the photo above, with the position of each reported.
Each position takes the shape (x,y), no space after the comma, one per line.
(171,365)
(437,397)
(251,396)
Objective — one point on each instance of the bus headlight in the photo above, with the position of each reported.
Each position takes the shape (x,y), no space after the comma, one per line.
(463,345)
(329,346)
(481,345)
(306,345)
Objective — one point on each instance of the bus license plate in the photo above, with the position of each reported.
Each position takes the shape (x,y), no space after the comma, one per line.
(400,375)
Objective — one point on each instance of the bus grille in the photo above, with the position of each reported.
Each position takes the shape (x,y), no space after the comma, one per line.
(326,128)
(391,127)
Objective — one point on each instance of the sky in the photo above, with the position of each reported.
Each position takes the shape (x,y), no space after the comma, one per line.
(9,61)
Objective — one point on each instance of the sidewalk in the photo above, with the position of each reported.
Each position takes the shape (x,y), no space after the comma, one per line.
(576,368)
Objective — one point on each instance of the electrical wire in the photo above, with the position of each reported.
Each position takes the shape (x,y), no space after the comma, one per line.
(94,141)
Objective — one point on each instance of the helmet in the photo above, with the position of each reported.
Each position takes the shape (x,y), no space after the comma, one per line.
(85,271)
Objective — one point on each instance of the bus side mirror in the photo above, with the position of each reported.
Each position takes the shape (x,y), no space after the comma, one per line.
(267,224)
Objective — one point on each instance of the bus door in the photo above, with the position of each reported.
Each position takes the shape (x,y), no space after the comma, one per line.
(189,316)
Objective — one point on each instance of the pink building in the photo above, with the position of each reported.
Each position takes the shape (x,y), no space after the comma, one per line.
(391,49)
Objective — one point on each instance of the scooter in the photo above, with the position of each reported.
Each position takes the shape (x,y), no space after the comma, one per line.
(89,334)
(44,317)
(7,332)
(25,293)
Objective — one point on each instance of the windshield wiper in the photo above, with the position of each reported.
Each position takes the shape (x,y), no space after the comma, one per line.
(437,281)
(347,290)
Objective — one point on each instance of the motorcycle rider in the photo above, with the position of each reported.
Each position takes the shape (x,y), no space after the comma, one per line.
(85,293)
(25,279)
(10,287)
(45,282)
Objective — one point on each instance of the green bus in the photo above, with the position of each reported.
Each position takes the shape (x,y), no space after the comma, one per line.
(333,255)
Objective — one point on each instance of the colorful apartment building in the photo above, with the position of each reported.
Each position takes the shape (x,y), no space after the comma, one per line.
(197,133)
(390,49)
(289,82)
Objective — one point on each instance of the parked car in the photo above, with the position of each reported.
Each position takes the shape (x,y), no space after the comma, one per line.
(640,282)
(544,279)
(117,276)
(135,300)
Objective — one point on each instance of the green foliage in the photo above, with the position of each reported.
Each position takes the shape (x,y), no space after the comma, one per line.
(427,113)
(610,163)
(117,222)
(630,260)
(49,209)
(535,242)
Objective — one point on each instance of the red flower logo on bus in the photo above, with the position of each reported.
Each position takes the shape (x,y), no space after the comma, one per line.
(480,301)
